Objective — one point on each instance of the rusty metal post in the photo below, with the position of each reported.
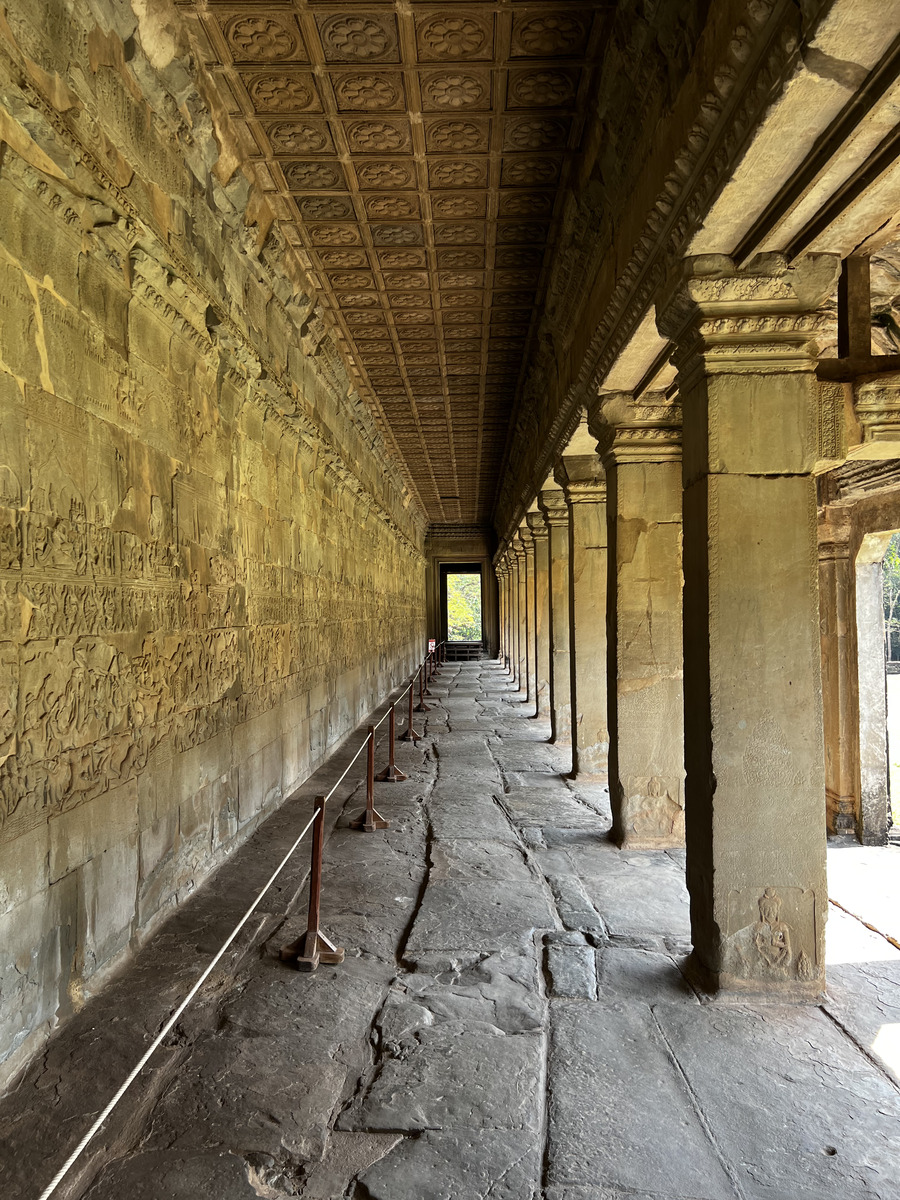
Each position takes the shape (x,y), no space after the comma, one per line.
(423,692)
(370,819)
(410,735)
(313,946)
(391,773)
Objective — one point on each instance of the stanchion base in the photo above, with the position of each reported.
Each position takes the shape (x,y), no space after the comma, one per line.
(410,735)
(425,692)
(311,949)
(369,824)
(390,775)
(422,707)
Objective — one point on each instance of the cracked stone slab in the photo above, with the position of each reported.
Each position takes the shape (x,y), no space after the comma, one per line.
(628,975)
(797,1109)
(450,1079)
(267,1095)
(545,806)
(636,892)
(348,1155)
(620,1116)
(500,1164)
(497,991)
(217,1175)
(466,858)
(572,971)
(481,818)
(573,903)
(479,915)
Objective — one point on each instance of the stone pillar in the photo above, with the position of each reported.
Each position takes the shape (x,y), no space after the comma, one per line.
(539,532)
(501,603)
(640,445)
(513,613)
(582,480)
(745,356)
(521,617)
(528,542)
(556,514)
(839,707)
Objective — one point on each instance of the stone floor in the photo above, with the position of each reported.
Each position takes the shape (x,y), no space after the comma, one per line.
(510,1021)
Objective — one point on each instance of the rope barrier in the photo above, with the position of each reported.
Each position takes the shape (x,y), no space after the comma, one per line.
(170,1024)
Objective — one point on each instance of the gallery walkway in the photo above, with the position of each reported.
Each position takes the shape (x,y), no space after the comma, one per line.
(510,1021)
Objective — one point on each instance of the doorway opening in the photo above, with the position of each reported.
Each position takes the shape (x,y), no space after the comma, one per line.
(462,610)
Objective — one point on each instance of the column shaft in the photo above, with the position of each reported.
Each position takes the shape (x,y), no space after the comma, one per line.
(753,730)
(538,527)
(556,514)
(641,447)
(585,489)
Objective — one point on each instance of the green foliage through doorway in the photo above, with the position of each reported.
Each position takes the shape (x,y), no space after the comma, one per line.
(464,608)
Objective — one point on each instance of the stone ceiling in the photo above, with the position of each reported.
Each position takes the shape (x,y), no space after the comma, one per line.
(416,156)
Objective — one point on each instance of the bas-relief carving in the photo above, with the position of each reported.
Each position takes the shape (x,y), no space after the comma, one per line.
(771,935)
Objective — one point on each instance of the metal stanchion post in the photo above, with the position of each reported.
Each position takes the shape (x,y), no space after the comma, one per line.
(391,773)
(369,820)
(313,946)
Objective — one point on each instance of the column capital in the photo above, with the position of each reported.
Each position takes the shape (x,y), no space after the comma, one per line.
(537,524)
(581,477)
(644,430)
(553,505)
(877,404)
(527,540)
(760,319)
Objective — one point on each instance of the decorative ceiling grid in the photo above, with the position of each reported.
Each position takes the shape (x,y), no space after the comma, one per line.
(415,155)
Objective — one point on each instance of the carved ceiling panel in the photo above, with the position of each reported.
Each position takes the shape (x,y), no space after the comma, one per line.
(416,155)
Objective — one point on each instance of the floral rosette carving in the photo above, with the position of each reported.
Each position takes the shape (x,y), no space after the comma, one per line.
(456,136)
(260,39)
(356,36)
(368,92)
(452,37)
(550,35)
(280,93)
(454,89)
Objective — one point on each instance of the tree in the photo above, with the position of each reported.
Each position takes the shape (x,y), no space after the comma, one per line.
(464,608)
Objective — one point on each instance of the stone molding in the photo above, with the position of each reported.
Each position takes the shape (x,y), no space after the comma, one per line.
(877,404)
(554,507)
(644,430)
(537,524)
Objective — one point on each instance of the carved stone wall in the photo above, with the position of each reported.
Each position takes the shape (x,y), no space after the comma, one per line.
(208,569)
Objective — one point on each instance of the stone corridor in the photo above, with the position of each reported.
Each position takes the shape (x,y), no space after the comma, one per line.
(510,1021)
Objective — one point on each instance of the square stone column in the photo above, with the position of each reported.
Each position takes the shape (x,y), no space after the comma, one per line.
(839,707)
(539,533)
(640,446)
(584,485)
(755,819)
(521,616)
(501,607)
(528,542)
(556,514)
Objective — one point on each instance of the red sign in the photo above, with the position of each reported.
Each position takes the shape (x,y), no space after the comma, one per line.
(431,644)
